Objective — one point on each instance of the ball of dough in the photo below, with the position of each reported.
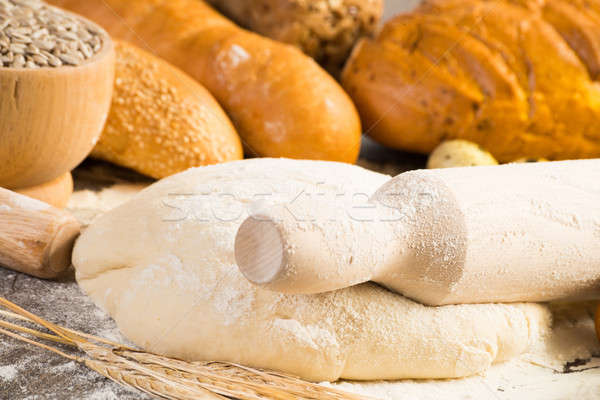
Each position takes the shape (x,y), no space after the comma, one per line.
(163,266)
(459,153)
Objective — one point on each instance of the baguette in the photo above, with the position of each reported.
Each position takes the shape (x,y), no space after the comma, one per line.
(281,102)
(161,121)
(514,77)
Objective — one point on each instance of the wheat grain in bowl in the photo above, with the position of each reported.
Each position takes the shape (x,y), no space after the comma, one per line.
(56,75)
(35,35)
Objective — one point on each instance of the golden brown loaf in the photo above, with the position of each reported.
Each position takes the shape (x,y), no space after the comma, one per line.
(325,30)
(281,102)
(162,121)
(516,78)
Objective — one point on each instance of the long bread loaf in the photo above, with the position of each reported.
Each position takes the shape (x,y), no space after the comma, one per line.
(161,121)
(325,30)
(281,102)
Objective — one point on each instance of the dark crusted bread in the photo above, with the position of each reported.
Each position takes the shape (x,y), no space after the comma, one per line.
(325,30)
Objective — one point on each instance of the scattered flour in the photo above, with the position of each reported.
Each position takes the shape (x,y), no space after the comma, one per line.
(103,394)
(311,335)
(517,379)
(27,203)
(563,365)
(65,368)
(8,372)
(87,204)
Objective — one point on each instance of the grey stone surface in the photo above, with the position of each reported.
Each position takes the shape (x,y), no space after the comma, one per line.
(27,372)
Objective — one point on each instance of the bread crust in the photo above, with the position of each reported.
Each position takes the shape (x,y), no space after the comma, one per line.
(280,101)
(161,121)
(531,93)
(325,30)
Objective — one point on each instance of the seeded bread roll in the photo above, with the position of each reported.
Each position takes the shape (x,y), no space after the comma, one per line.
(325,30)
(459,153)
(162,121)
(281,102)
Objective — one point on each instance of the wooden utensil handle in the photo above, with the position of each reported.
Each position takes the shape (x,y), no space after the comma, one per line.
(35,238)
(511,233)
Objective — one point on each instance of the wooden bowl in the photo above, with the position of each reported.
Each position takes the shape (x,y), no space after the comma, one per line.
(51,118)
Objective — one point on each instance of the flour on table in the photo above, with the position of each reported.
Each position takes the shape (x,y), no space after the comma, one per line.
(561,365)
(87,204)
(8,372)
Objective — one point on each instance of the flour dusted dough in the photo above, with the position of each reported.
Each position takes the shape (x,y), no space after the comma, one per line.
(162,265)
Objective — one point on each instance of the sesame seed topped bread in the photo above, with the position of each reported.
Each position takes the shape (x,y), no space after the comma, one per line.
(161,121)
(280,101)
(325,30)
(517,78)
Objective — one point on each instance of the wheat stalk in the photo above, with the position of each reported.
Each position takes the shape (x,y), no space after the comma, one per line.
(165,377)
(226,378)
(155,385)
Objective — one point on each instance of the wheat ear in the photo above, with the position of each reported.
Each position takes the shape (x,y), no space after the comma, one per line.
(166,377)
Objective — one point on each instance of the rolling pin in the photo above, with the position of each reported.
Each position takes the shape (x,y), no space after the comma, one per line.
(35,238)
(517,232)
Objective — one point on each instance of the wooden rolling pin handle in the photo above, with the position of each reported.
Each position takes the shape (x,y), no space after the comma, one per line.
(518,232)
(275,251)
(259,250)
(35,238)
